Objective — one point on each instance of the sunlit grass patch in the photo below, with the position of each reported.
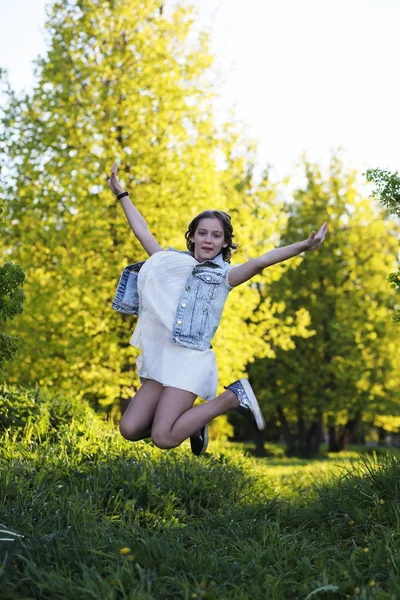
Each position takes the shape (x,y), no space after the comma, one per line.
(97,517)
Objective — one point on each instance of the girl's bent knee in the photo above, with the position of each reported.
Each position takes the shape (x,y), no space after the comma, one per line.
(129,433)
(163,441)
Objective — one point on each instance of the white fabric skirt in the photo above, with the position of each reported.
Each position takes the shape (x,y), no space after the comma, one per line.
(160,284)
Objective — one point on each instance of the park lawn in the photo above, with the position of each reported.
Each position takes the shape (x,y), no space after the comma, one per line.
(86,514)
(299,479)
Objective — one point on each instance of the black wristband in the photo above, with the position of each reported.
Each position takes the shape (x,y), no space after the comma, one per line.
(122,195)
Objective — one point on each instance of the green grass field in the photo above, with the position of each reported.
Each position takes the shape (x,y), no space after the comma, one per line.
(86,515)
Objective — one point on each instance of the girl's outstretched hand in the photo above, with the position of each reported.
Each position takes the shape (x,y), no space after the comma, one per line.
(316,239)
(115,186)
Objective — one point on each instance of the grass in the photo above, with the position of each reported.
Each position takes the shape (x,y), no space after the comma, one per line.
(101,518)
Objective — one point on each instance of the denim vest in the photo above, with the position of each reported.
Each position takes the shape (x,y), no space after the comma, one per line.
(200,305)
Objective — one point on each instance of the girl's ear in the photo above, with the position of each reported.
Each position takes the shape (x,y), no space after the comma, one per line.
(224,245)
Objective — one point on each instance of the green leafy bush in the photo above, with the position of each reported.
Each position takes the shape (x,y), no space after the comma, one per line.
(387,191)
(35,415)
(11,300)
(386,188)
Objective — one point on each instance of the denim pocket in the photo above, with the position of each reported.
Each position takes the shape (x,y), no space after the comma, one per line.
(207,285)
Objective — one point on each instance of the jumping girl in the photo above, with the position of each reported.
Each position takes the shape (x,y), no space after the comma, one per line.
(179,297)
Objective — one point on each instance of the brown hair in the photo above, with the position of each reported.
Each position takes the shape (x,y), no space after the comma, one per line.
(225,221)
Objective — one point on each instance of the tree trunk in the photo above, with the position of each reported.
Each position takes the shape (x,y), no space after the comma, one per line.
(314,437)
(301,436)
(333,443)
(348,432)
(382,436)
(287,434)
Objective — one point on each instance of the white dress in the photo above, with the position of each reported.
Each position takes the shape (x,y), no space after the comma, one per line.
(160,284)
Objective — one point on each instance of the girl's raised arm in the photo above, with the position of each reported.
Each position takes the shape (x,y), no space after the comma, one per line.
(246,271)
(135,219)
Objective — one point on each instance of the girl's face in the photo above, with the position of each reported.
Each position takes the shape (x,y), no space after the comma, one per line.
(208,239)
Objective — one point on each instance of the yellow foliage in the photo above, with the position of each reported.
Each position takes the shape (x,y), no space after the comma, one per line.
(125,82)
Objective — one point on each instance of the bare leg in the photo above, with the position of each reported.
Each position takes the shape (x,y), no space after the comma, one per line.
(176,418)
(137,420)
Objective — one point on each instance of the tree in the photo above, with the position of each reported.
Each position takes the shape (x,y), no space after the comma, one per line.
(11,301)
(346,371)
(387,191)
(121,80)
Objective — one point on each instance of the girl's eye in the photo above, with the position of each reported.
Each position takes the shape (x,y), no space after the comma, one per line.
(217,235)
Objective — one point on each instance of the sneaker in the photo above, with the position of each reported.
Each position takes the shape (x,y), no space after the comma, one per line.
(199,443)
(248,402)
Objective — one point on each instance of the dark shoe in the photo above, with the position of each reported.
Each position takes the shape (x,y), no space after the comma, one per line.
(199,443)
(248,402)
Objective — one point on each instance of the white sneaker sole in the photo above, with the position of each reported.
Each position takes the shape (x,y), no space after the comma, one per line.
(253,404)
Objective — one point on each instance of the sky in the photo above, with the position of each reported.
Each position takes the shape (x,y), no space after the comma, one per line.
(308,76)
